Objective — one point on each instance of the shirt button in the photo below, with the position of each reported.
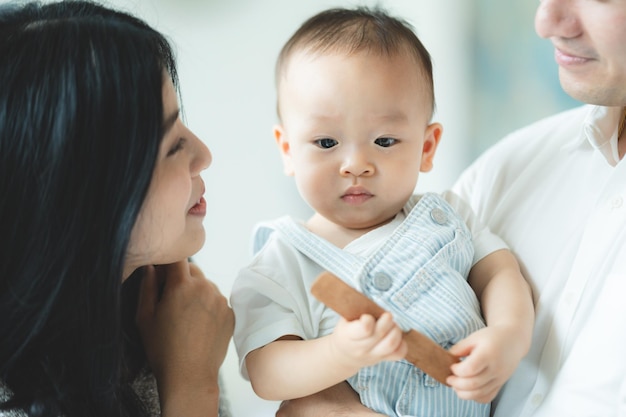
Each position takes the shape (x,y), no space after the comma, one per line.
(438,216)
(536,399)
(570,298)
(381,282)
(616,202)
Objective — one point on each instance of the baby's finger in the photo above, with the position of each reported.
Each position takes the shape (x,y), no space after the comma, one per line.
(392,345)
(463,348)
(472,365)
(359,329)
(384,324)
(367,324)
(475,383)
(483,394)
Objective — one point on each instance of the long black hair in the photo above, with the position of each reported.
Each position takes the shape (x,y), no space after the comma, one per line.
(81,118)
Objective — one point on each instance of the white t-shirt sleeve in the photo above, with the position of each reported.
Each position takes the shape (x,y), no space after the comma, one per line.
(485,242)
(271,299)
(265,310)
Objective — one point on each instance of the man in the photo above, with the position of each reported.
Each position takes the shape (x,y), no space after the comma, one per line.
(556,193)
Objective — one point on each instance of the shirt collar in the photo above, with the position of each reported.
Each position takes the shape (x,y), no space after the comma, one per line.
(599,130)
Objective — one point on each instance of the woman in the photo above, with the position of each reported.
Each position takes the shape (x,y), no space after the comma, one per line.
(99,181)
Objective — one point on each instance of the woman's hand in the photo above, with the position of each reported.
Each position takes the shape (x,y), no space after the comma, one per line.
(337,401)
(186,325)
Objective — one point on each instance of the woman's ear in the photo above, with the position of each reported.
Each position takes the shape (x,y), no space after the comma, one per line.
(432,136)
(283,147)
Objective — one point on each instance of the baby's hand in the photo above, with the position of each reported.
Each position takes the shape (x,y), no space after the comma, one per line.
(367,341)
(490,359)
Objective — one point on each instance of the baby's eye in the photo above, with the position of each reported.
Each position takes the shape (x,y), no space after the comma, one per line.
(326,143)
(385,142)
(180,144)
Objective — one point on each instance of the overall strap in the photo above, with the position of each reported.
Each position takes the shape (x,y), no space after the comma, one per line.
(331,258)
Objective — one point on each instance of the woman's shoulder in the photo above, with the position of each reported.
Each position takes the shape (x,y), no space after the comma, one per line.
(146,389)
(144,386)
(5,394)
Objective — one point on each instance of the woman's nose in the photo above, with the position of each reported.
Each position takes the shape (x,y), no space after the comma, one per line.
(202,156)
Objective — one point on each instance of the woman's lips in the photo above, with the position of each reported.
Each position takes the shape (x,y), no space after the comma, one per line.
(199,209)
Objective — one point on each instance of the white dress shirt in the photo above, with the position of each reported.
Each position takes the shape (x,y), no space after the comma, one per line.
(556,193)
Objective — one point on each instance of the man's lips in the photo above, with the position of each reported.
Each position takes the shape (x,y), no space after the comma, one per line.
(565,58)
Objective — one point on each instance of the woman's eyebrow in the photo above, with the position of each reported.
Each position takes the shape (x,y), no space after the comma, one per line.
(169,121)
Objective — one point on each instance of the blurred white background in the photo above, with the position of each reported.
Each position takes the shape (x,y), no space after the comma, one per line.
(490,77)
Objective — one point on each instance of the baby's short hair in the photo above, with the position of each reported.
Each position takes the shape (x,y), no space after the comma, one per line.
(361,29)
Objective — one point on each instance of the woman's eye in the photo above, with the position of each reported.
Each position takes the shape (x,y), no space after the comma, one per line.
(180,144)
(385,142)
(326,143)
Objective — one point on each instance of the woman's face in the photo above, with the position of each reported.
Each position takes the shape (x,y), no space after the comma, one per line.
(169,227)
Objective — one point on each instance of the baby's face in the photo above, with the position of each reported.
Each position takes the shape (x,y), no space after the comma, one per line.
(355,134)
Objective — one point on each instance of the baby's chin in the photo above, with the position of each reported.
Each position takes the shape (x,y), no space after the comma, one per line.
(365,225)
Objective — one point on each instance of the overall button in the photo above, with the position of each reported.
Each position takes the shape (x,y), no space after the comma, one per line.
(430,381)
(438,215)
(381,282)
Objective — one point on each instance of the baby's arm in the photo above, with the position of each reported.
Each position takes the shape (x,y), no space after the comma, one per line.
(291,368)
(493,353)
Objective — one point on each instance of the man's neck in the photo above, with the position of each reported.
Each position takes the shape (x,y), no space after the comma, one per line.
(621,139)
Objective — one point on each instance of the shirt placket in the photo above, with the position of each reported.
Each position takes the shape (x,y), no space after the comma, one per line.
(605,223)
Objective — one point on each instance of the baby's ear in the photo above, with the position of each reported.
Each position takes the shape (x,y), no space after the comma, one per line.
(432,136)
(283,147)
